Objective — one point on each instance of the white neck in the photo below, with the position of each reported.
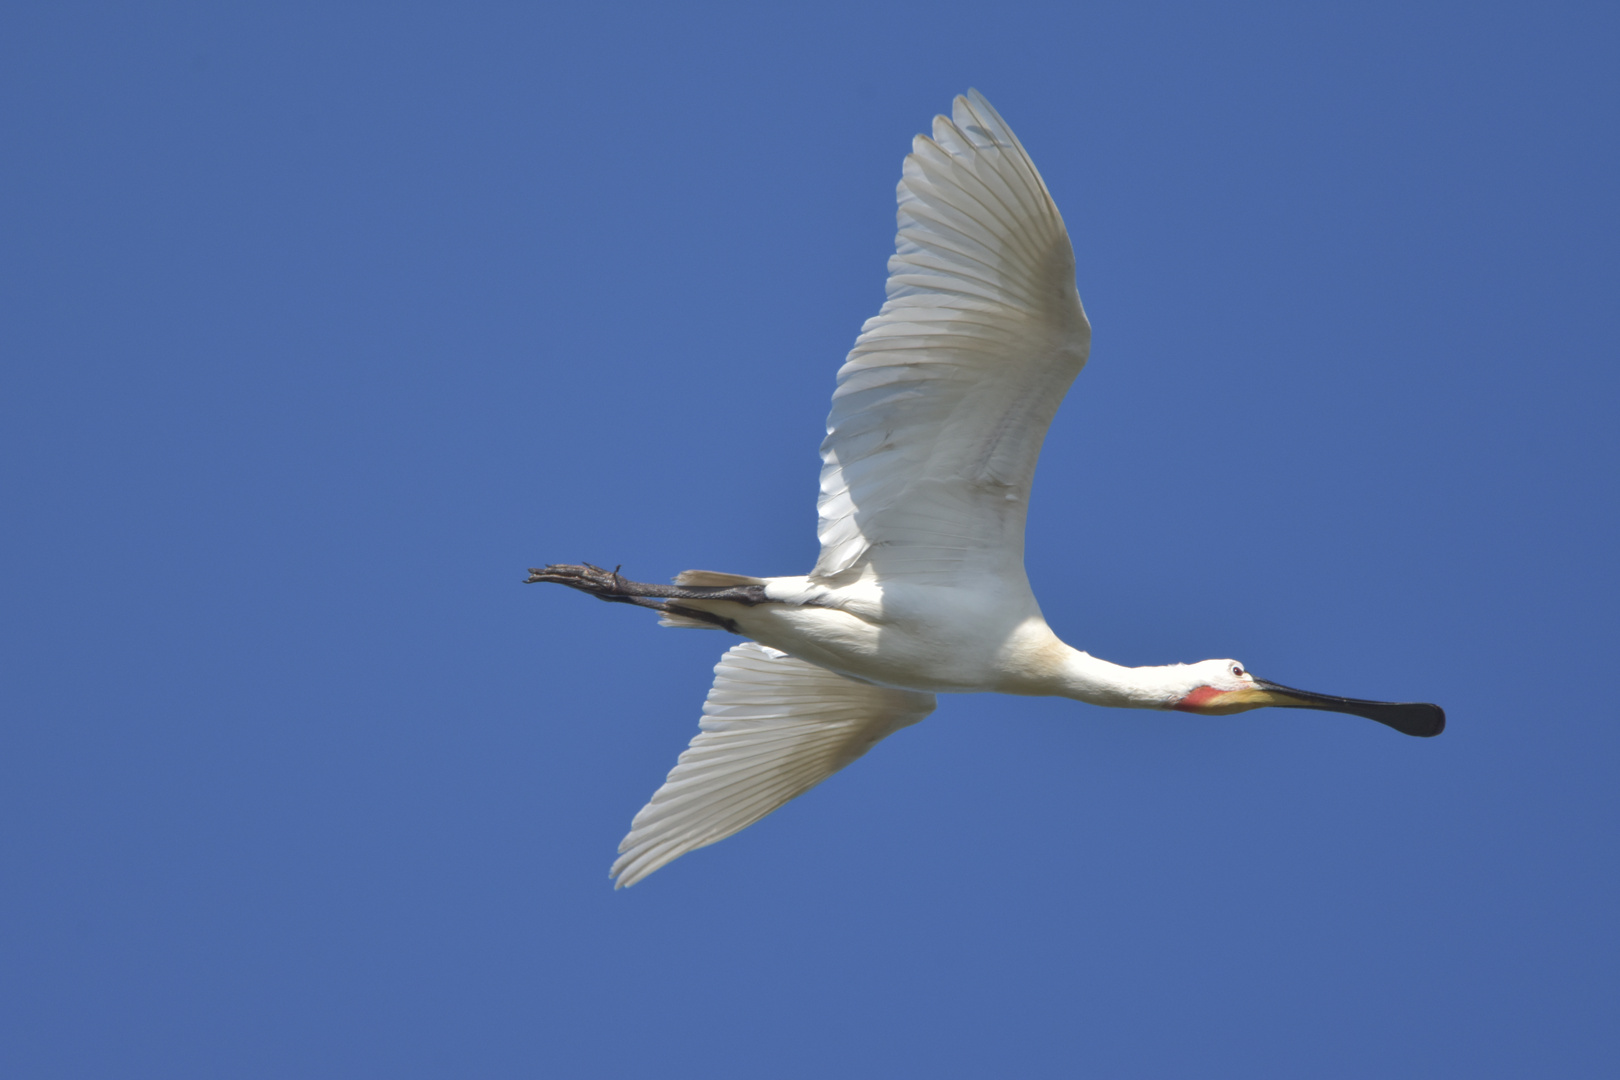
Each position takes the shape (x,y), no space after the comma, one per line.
(1058,670)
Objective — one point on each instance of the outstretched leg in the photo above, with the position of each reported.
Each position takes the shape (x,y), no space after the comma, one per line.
(609,586)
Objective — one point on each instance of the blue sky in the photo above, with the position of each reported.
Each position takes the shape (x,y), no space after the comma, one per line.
(320,324)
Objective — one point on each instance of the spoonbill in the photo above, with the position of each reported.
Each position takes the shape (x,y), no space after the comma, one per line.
(936,424)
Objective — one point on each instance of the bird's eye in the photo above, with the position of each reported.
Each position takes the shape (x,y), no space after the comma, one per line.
(1237,669)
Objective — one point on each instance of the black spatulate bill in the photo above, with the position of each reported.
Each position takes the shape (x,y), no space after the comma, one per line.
(1417,718)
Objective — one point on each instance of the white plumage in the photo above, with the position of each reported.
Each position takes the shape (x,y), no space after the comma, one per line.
(936,425)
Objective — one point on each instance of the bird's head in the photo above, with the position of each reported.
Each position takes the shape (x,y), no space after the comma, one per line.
(1222,687)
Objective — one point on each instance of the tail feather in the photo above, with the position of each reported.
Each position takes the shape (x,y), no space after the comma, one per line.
(681,622)
(711,578)
(716,578)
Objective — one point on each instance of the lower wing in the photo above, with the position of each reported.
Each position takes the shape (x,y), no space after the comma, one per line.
(773,727)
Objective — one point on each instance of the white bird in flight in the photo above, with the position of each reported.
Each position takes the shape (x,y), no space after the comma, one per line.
(936,424)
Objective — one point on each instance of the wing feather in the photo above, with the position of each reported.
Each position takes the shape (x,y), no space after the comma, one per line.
(773,727)
(941,407)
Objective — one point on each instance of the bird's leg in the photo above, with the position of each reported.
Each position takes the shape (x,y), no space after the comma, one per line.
(608,585)
(611,586)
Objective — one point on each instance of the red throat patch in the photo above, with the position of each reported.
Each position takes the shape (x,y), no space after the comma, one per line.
(1203,695)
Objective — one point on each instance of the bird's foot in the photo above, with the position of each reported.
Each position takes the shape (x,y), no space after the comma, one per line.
(609,585)
(584,577)
(603,584)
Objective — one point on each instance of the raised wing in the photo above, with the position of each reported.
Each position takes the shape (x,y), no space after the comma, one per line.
(773,727)
(942,405)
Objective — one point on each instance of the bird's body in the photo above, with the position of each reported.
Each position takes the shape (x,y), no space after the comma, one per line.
(936,426)
(937,638)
